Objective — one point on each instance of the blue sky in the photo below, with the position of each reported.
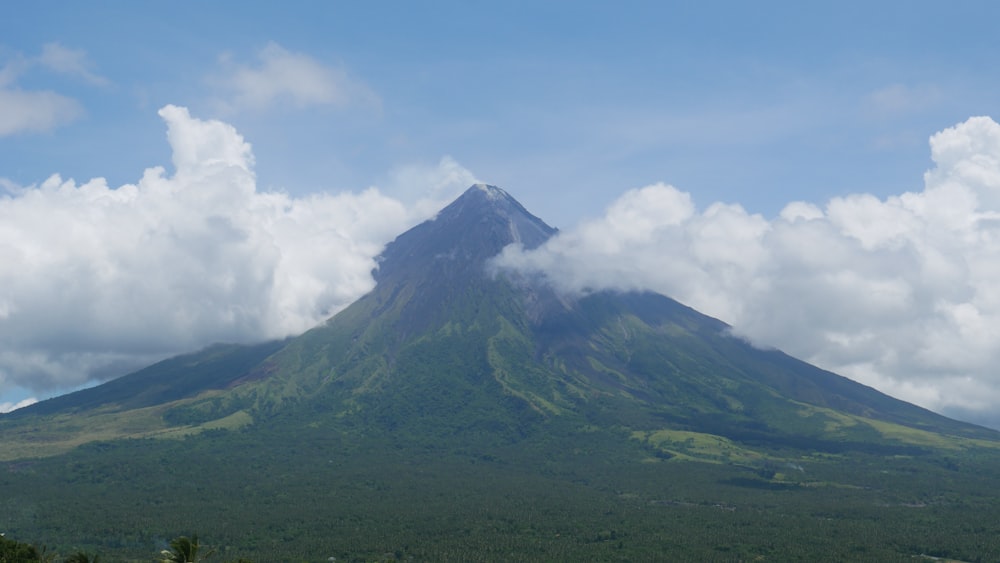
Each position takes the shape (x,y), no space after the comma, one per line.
(572,107)
(565,104)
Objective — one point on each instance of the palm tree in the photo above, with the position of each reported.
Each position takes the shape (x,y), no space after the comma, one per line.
(183,550)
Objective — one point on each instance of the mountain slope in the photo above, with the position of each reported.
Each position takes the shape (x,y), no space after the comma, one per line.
(439,307)
(445,343)
(217,367)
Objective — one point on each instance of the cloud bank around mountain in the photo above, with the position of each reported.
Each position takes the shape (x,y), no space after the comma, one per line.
(95,280)
(901,293)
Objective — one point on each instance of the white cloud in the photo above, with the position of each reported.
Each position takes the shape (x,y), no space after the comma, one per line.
(7,407)
(426,188)
(281,76)
(41,110)
(73,62)
(95,279)
(902,293)
(12,69)
(35,110)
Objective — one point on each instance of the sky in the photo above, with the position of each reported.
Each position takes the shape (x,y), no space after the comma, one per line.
(826,179)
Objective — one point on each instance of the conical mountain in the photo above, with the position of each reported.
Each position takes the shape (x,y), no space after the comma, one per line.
(457,242)
(461,413)
(445,343)
(445,339)
(433,270)
(438,334)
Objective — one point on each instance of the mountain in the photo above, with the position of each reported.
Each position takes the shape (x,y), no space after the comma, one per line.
(444,336)
(451,365)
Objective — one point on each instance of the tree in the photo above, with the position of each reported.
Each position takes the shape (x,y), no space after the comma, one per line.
(81,557)
(183,550)
(16,552)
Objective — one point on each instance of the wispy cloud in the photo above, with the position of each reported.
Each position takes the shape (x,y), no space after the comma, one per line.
(24,110)
(73,62)
(279,76)
(35,110)
(895,99)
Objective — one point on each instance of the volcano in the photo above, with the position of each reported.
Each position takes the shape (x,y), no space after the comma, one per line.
(450,357)
(447,340)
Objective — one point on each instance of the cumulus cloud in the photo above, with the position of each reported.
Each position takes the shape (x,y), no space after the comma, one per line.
(901,293)
(281,76)
(95,280)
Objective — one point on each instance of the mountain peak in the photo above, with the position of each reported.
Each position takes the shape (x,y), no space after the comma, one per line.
(470,230)
(490,191)
(485,204)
